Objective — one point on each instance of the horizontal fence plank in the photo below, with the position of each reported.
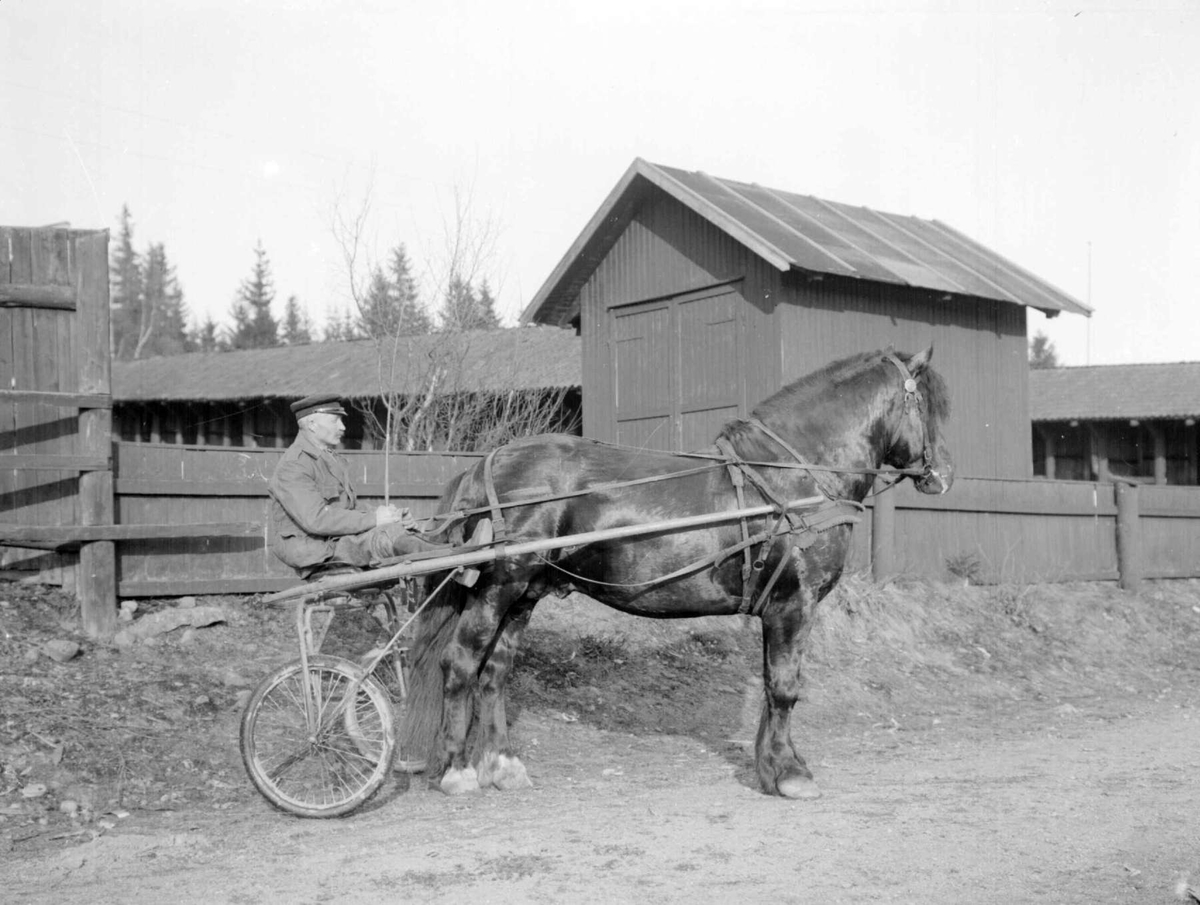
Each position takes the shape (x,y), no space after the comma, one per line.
(257,487)
(33,295)
(60,535)
(48,462)
(241,584)
(63,400)
(1074,498)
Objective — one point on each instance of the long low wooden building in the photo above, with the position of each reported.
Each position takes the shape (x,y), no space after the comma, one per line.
(1103,421)
(243,398)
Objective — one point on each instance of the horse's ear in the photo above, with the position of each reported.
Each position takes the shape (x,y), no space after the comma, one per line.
(920,361)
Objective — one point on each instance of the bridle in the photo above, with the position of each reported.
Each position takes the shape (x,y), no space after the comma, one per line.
(914,409)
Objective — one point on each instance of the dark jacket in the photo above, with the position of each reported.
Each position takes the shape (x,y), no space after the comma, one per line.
(312,504)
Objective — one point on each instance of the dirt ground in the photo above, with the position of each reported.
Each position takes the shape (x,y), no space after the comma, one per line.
(1002,744)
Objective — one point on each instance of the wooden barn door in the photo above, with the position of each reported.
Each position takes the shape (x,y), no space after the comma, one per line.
(678,374)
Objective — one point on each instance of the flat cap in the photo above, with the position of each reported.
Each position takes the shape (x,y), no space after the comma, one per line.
(322,402)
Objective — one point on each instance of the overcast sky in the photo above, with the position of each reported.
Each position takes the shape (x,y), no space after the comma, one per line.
(1063,136)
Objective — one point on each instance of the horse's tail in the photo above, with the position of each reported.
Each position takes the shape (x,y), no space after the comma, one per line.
(421,726)
(418,734)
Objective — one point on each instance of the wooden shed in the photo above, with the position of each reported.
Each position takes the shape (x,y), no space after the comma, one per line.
(697,296)
(1132,421)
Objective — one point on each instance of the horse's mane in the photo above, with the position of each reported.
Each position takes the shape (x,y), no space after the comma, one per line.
(852,378)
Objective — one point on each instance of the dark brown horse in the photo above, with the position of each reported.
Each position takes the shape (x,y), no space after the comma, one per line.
(846,421)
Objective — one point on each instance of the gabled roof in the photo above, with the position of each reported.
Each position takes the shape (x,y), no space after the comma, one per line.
(481,360)
(800,232)
(1106,392)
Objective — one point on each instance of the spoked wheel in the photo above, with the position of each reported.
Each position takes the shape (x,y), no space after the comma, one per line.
(318,744)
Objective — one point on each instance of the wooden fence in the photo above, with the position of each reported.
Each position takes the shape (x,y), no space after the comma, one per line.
(55,405)
(990,530)
(1035,531)
(167,484)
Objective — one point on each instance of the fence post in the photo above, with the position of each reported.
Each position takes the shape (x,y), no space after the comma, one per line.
(883,532)
(1129,547)
(97,559)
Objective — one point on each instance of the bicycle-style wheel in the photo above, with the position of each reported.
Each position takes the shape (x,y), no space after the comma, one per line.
(318,744)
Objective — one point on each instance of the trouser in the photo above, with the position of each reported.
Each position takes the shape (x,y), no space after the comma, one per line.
(370,548)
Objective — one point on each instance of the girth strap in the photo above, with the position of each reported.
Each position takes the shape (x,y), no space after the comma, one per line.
(735,466)
(802,536)
(499,531)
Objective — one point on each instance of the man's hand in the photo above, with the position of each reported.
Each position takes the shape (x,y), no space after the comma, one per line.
(386,515)
(389,514)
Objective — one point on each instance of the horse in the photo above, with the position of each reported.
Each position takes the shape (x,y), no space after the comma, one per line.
(825,436)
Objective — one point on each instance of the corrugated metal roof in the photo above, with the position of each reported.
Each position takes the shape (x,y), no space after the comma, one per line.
(495,360)
(804,233)
(1102,392)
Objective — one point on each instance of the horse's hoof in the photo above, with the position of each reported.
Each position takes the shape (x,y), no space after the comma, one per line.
(503,772)
(509,774)
(797,787)
(460,782)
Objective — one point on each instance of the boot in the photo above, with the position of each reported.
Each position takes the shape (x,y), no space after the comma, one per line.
(480,537)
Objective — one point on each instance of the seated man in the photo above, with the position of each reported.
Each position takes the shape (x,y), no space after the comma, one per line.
(315,514)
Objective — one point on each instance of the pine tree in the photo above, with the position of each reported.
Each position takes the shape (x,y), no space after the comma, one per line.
(414,318)
(379,316)
(332,331)
(486,308)
(1042,353)
(392,306)
(165,314)
(297,325)
(458,305)
(254,327)
(207,337)
(125,291)
(339,326)
(463,308)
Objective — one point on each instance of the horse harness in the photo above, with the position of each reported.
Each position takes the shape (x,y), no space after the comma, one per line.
(802,529)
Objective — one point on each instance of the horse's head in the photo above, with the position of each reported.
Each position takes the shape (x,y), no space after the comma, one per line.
(915,414)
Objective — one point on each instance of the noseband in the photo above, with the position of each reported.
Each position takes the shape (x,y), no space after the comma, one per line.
(914,408)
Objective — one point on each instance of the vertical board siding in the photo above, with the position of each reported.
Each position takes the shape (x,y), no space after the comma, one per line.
(979,348)
(40,354)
